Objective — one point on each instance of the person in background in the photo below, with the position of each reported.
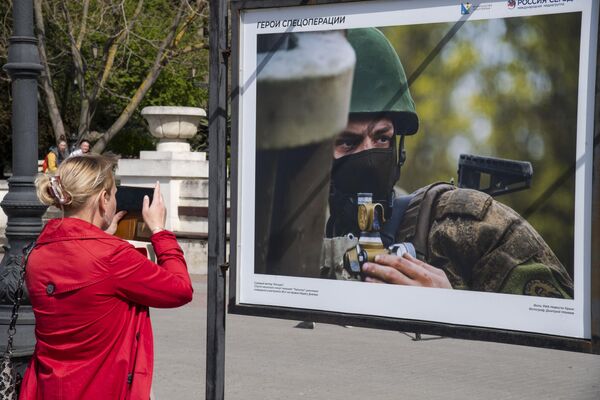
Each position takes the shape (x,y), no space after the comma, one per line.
(84,148)
(90,291)
(55,156)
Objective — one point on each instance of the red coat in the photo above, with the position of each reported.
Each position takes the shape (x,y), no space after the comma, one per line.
(90,293)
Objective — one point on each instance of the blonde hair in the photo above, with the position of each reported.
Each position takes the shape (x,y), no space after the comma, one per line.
(77,179)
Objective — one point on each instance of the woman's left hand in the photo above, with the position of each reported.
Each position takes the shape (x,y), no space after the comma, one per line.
(115,222)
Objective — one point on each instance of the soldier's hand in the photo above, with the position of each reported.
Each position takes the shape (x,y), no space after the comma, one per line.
(405,270)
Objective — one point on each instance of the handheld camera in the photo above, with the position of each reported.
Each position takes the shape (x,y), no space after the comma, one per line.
(370,222)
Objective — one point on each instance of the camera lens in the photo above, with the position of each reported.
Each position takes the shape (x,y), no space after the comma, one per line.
(400,249)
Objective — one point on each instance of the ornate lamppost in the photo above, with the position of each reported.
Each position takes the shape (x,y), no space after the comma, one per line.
(20,204)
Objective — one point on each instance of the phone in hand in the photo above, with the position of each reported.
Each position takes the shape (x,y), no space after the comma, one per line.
(131,199)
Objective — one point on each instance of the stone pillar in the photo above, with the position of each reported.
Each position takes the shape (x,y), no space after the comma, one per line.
(172,162)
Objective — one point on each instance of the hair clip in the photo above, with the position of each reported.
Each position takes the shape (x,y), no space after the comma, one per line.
(56,190)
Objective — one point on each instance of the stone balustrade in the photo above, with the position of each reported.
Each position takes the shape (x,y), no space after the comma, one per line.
(183,176)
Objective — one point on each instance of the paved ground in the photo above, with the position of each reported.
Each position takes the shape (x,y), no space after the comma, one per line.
(270,359)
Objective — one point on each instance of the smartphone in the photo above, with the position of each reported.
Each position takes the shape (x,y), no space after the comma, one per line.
(130,198)
(132,226)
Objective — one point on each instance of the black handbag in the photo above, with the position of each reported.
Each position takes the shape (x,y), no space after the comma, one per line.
(8,374)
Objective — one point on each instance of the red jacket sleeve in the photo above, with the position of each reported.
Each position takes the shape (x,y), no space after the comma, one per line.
(143,282)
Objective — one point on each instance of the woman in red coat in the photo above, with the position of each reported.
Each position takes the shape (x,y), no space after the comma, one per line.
(90,290)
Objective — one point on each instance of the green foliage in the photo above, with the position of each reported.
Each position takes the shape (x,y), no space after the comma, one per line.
(130,141)
(134,58)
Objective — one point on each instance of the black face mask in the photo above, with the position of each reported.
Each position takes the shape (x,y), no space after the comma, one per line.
(372,171)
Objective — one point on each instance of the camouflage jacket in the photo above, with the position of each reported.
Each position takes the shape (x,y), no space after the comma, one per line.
(480,243)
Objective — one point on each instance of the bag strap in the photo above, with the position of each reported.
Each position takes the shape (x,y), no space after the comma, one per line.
(12,328)
(391,226)
(418,217)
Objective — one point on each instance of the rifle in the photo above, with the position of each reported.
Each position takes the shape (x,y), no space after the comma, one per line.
(494,176)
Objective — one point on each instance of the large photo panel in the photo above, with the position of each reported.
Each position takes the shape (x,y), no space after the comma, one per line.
(419,160)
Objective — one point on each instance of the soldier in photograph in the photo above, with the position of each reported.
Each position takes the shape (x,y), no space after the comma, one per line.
(460,238)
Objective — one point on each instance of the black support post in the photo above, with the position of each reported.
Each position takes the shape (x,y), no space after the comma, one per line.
(217,200)
(20,204)
(595,304)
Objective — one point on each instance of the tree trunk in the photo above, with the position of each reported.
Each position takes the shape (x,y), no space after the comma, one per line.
(46,78)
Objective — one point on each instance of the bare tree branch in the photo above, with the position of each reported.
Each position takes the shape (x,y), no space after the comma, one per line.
(184,28)
(83,28)
(103,11)
(57,56)
(117,94)
(152,43)
(78,60)
(193,47)
(110,51)
(80,68)
(160,61)
(53,111)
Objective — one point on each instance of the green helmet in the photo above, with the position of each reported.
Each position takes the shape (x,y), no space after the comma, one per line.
(380,85)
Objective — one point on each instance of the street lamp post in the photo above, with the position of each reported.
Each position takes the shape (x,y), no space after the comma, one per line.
(20,204)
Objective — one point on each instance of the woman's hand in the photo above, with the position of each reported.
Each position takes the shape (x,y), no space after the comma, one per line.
(112,228)
(405,270)
(154,214)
